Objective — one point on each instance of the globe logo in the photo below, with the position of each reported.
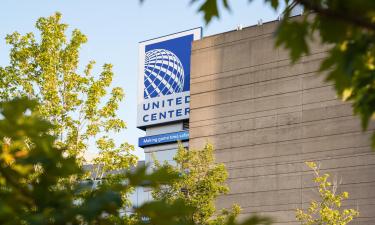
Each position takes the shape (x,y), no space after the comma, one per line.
(164,73)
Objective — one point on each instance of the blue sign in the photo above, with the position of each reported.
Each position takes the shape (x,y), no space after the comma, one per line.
(163,138)
(167,67)
(164,83)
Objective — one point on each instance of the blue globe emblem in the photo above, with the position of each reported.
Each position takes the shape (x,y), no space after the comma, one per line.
(164,73)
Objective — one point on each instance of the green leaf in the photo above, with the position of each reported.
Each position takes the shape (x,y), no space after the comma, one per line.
(292,35)
(274,3)
(210,10)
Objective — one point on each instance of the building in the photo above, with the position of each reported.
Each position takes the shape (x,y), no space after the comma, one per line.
(139,196)
(265,119)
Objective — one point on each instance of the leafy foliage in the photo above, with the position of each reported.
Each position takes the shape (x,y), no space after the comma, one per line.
(328,209)
(32,173)
(42,142)
(347,28)
(210,8)
(34,187)
(47,69)
(202,181)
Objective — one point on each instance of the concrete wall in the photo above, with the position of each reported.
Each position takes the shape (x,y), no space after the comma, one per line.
(266,118)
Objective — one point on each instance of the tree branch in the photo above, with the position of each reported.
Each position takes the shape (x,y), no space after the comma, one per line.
(325,12)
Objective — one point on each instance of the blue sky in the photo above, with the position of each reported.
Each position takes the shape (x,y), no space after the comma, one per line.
(114,28)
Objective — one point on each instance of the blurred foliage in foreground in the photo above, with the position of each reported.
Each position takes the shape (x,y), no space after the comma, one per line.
(346,27)
(36,185)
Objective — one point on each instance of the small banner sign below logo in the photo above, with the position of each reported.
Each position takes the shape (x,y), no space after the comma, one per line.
(163,138)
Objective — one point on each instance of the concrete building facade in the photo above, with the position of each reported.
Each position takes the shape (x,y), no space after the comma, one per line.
(266,118)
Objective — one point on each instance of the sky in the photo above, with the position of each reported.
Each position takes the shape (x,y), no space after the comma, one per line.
(115,27)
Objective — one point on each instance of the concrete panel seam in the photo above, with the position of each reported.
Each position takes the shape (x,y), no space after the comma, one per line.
(301,124)
(304,172)
(276,125)
(302,139)
(297,188)
(278,108)
(192,122)
(287,61)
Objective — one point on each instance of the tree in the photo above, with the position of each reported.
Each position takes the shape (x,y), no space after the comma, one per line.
(47,69)
(347,27)
(32,168)
(202,181)
(30,190)
(328,209)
